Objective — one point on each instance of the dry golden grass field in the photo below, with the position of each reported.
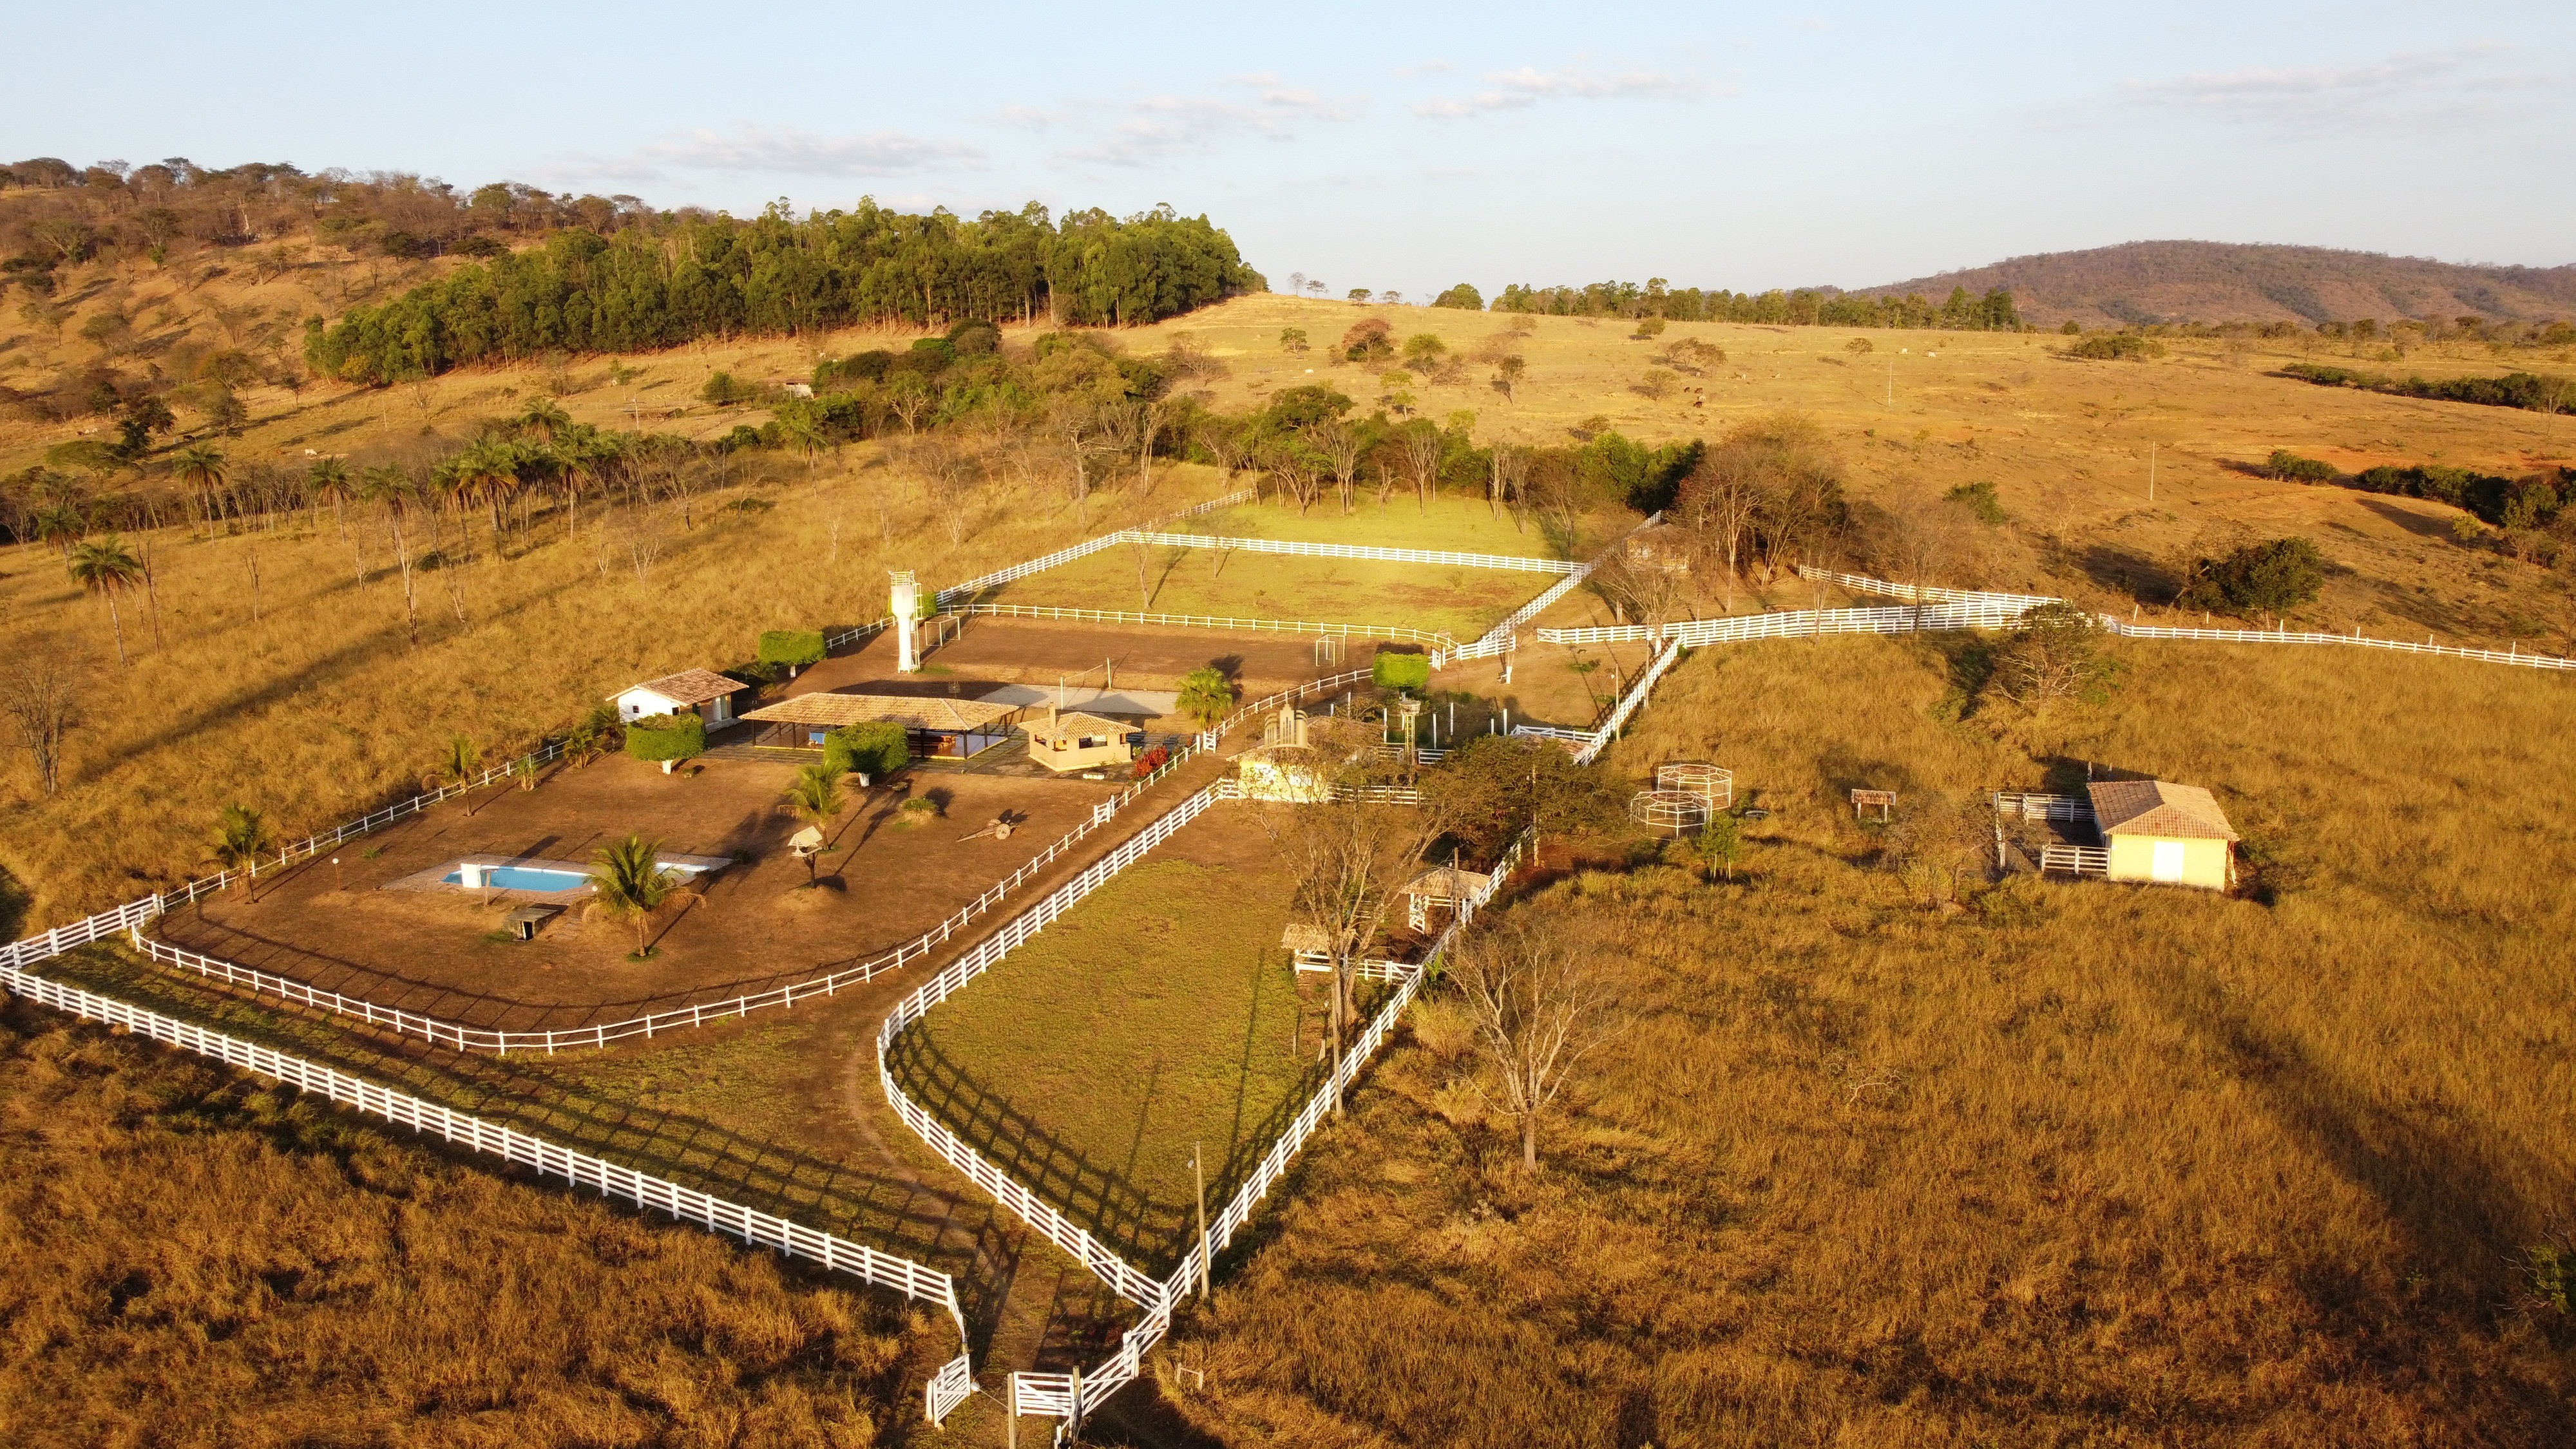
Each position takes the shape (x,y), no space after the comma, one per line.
(191,1258)
(1888,1156)
(2071,1163)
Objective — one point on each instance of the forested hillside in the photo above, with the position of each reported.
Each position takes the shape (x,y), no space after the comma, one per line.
(2177,281)
(509,272)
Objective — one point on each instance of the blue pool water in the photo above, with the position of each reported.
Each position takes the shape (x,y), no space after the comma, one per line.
(539,878)
(524,878)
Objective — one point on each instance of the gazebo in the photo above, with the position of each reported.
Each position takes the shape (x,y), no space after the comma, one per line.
(1445,887)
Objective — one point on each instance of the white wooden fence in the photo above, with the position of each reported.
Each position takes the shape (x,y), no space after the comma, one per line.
(1926,593)
(1206,621)
(1084,549)
(1964,609)
(1071,1397)
(461,1038)
(1505,637)
(885,1270)
(464,1038)
(1371,553)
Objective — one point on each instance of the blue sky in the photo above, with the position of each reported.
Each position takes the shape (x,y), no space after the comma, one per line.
(1408,147)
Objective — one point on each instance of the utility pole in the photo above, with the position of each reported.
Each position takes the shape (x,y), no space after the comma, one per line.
(1198,1177)
(2151,472)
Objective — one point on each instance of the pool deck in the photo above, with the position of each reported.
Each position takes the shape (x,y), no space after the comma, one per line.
(435,878)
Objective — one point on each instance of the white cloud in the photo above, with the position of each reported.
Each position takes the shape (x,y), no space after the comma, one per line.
(2410,89)
(1513,90)
(1166,125)
(779,151)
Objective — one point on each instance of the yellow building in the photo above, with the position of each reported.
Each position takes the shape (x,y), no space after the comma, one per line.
(1071,740)
(2166,833)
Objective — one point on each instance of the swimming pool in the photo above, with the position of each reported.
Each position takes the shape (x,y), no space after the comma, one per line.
(545,878)
(524,878)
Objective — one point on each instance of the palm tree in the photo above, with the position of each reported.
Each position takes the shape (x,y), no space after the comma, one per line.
(815,798)
(459,763)
(631,884)
(105,567)
(201,467)
(1205,696)
(241,837)
(61,525)
(544,417)
(329,481)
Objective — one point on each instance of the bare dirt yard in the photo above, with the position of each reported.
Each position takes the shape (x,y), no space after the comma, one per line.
(757,924)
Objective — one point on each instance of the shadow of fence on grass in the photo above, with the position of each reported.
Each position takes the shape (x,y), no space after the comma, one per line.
(1146,1231)
(955,1233)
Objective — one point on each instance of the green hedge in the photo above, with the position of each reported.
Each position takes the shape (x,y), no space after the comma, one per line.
(658,737)
(1390,670)
(876,749)
(795,648)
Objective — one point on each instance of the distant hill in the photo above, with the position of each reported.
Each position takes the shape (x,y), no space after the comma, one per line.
(2177,281)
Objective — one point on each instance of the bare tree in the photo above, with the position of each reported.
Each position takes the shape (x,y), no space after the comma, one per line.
(1916,540)
(1340,443)
(1717,505)
(1541,1003)
(1421,449)
(1511,468)
(1347,862)
(1074,423)
(37,694)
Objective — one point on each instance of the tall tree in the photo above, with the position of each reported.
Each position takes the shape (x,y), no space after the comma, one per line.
(106,568)
(1541,1003)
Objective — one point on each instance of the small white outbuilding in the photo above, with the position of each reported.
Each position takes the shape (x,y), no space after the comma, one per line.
(701,692)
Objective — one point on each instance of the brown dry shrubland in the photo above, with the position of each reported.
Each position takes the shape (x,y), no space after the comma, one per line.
(192,1257)
(2070,1163)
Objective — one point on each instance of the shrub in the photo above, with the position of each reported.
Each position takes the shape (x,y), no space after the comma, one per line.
(2055,655)
(1393,670)
(794,648)
(1979,499)
(660,738)
(2277,576)
(1152,760)
(2289,467)
(974,337)
(1368,341)
(2116,347)
(1292,339)
(723,391)
(875,749)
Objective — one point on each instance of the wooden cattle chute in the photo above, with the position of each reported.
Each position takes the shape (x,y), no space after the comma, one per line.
(885,1270)
(1712,783)
(1672,813)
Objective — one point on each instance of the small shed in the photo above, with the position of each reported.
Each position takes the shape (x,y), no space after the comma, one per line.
(1068,740)
(2159,831)
(1445,887)
(701,692)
